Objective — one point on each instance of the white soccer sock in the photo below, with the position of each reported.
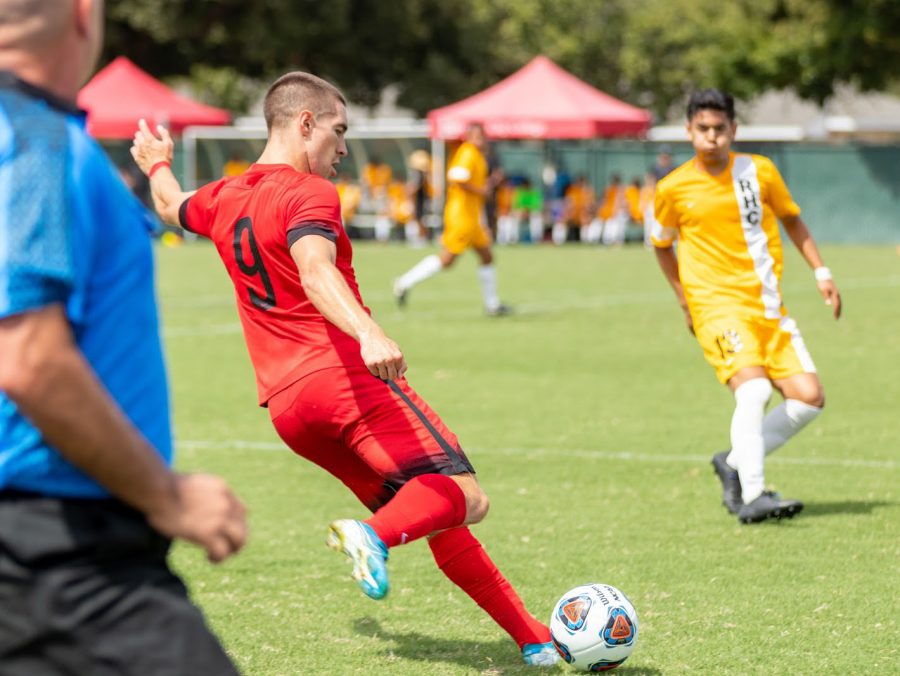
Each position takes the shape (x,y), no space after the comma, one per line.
(383,227)
(785,420)
(425,268)
(559,233)
(411,232)
(487,275)
(747,445)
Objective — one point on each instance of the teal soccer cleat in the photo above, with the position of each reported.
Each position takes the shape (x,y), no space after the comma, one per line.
(540,654)
(367,552)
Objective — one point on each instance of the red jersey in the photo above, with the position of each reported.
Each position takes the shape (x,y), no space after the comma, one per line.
(253,219)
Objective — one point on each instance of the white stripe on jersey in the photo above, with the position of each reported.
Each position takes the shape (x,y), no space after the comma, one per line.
(746,191)
(789,325)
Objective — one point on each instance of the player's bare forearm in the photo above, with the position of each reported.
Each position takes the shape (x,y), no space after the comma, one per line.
(46,376)
(153,153)
(167,195)
(668,263)
(806,245)
(802,239)
(328,291)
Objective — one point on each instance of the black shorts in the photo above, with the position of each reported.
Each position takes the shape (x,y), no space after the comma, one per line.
(85,590)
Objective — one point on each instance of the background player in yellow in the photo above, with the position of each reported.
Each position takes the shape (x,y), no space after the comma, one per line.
(723,208)
(465,224)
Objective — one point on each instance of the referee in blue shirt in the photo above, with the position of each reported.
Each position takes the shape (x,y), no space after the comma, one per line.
(88,504)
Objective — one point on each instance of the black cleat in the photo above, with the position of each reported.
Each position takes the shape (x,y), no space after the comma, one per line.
(400,294)
(769,505)
(499,311)
(731,484)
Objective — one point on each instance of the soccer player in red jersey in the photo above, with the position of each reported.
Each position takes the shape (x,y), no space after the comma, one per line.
(330,377)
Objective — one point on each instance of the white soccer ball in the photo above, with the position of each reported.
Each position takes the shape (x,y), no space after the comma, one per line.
(594,627)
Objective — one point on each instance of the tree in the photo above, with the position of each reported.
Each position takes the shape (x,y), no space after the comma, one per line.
(648,52)
(747,47)
(360,45)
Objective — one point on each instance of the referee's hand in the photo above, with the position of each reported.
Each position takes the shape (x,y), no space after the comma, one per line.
(205,511)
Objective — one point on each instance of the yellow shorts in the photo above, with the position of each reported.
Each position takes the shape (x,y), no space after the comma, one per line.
(459,237)
(733,343)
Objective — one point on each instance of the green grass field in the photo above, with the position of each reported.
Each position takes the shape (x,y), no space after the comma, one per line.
(591,417)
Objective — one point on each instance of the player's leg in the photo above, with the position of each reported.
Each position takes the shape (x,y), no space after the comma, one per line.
(464,561)
(536,226)
(457,552)
(804,400)
(730,345)
(752,390)
(487,276)
(403,440)
(737,347)
(411,447)
(385,444)
(794,375)
(451,247)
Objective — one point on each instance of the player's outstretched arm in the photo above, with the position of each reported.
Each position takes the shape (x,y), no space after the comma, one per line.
(802,239)
(46,376)
(153,154)
(328,291)
(668,263)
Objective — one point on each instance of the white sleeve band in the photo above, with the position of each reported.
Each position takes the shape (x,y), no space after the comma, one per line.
(662,235)
(822,274)
(459,174)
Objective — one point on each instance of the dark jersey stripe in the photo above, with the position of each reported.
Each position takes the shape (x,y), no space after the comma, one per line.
(295,232)
(458,464)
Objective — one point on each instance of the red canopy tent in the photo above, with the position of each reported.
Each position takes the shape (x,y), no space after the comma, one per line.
(541,101)
(120,94)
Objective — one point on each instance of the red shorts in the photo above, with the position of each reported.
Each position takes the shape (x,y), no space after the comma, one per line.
(372,435)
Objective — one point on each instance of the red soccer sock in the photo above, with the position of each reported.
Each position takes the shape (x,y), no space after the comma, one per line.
(462,558)
(424,504)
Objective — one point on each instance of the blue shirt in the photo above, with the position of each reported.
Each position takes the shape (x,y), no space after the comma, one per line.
(72,233)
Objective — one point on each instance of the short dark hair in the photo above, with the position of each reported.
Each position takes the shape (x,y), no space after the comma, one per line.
(298,91)
(710,99)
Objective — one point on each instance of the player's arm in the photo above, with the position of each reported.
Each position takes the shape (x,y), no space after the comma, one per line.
(153,154)
(44,373)
(663,233)
(327,289)
(460,174)
(668,263)
(806,245)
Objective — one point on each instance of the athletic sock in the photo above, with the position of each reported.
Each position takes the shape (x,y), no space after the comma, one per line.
(425,268)
(747,446)
(785,420)
(383,226)
(425,504)
(463,560)
(487,275)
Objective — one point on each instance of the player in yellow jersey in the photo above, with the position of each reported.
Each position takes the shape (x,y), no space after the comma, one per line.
(465,224)
(723,208)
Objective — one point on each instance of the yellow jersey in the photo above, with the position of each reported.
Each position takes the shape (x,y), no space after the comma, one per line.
(377,177)
(579,199)
(465,208)
(730,256)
